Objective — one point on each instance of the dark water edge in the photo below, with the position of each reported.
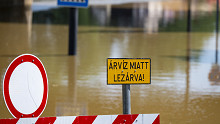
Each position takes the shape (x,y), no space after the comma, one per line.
(146,19)
(123,17)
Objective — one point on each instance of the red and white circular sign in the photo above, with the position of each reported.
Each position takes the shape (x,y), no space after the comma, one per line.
(25,87)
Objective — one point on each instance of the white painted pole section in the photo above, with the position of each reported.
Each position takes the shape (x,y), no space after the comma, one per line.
(65,120)
(27,121)
(139,120)
(99,119)
(149,118)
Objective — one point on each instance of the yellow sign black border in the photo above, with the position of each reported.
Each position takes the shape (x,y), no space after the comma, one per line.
(129,83)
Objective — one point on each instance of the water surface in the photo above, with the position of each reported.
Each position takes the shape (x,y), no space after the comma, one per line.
(184,88)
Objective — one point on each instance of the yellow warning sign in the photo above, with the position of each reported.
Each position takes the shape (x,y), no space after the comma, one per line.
(128,71)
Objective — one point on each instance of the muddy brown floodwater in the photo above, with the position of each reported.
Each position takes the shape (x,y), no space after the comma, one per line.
(185,84)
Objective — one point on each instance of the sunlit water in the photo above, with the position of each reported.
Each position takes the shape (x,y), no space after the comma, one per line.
(182,90)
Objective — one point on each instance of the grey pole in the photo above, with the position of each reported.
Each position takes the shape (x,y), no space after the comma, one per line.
(73,24)
(217,30)
(217,15)
(126,99)
(189,17)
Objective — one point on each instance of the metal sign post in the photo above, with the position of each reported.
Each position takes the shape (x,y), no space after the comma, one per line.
(73,24)
(217,15)
(126,98)
(73,21)
(189,16)
(217,30)
(126,71)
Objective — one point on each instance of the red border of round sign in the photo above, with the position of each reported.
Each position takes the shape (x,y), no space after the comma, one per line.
(17,61)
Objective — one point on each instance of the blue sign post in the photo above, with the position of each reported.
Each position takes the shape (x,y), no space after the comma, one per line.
(73,21)
(73,3)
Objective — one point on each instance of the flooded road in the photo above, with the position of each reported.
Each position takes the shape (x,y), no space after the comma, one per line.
(185,84)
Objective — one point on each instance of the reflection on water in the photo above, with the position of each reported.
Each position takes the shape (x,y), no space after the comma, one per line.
(151,17)
(214,75)
(185,77)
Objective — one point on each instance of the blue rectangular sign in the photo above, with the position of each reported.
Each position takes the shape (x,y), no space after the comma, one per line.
(73,3)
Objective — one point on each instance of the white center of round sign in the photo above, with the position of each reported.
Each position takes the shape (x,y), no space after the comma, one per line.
(25,87)
(26,83)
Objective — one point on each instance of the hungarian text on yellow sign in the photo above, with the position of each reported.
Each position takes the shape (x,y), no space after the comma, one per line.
(128,71)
